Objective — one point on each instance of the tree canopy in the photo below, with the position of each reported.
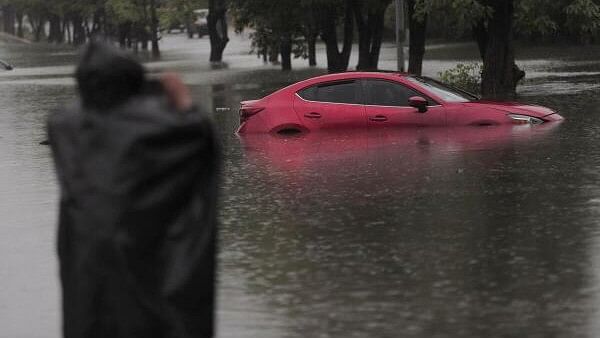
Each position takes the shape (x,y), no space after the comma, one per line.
(281,30)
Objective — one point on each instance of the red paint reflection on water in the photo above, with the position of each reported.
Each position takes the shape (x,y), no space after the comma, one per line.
(403,147)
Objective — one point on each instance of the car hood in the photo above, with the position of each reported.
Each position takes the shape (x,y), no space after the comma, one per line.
(515,108)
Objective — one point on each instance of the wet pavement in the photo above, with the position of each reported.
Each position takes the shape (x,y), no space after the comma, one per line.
(476,232)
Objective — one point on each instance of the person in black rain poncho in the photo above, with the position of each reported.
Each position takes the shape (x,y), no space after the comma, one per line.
(138,174)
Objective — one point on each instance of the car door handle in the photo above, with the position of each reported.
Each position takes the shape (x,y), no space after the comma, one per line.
(378,118)
(312,115)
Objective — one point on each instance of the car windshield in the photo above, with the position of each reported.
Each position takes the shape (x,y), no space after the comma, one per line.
(444,91)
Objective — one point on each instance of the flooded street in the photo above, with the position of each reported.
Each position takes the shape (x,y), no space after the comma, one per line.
(439,232)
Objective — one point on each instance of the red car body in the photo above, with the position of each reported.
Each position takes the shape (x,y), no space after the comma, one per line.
(366,100)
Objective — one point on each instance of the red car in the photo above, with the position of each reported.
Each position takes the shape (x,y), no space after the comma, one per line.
(374,100)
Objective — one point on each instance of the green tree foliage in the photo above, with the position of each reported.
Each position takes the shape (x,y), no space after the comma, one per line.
(464,76)
(121,11)
(572,20)
(538,18)
(583,19)
(78,20)
(176,13)
(495,23)
(133,23)
(277,27)
(290,27)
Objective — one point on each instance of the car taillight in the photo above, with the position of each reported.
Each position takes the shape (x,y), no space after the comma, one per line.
(246,112)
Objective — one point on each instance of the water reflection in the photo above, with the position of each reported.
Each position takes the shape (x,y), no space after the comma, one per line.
(423,233)
(431,232)
(400,150)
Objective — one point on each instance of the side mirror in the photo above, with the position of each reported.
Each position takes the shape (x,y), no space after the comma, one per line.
(419,103)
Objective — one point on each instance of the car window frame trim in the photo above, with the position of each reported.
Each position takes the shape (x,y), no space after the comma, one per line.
(363,91)
(333,82)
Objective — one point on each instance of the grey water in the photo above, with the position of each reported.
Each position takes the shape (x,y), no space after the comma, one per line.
(490,232)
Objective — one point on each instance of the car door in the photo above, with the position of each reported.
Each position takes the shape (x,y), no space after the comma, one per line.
(331,105)
(387,105)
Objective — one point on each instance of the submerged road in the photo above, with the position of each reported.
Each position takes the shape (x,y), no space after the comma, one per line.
(420,233)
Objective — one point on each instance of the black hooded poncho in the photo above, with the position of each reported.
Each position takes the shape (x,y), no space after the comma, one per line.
(137,223)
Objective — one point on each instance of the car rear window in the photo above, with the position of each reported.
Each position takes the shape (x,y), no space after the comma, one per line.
(309,93)
(335,92)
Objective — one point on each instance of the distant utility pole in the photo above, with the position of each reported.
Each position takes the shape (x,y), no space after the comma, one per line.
(401,33)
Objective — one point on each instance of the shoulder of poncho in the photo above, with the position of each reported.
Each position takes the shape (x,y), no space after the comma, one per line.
(65,115)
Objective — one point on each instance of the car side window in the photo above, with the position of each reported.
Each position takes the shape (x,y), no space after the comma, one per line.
(335,92)
(386,93)
(309,93)
(339,92)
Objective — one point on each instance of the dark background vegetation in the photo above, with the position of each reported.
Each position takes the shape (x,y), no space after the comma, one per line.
(284,29)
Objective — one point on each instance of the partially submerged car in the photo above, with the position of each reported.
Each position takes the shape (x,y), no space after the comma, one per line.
(200,25)
(377,99)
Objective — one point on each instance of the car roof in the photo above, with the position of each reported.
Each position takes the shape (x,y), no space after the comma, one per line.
(394,76)
(358,75)
(344,76)
(353,75)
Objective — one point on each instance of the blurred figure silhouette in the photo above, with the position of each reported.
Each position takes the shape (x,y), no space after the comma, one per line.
(137,166)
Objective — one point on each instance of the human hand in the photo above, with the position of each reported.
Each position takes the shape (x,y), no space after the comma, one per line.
(177,92)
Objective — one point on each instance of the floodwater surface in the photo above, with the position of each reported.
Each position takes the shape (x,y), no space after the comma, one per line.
(436,232)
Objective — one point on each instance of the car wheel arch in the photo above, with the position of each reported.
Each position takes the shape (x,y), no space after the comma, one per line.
(289,129)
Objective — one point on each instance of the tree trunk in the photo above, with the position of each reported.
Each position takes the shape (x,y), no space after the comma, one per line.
(312,33)
(8,18)
(265,54)
(98,22)
(143,39)
(286,53)
(56,34)
(123,31)
(370,20)
(217,29)
(63,28)
(274,55)
(68,31)
(337,61)
(154,29)
(79,37)
(480,34)
(37,23)
(19,18)
(500,74)
(418,31)
(312,50)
